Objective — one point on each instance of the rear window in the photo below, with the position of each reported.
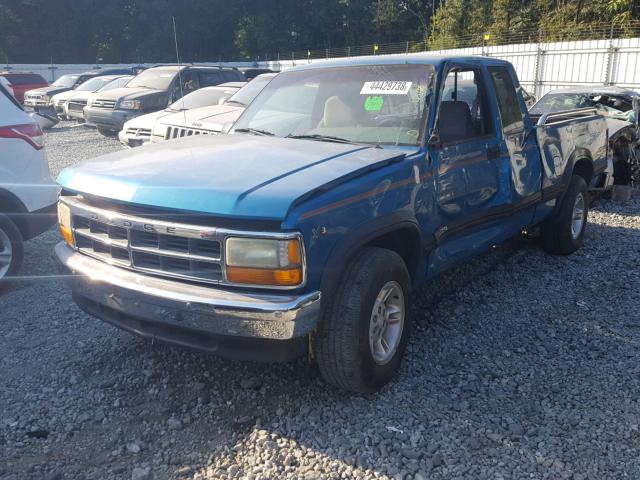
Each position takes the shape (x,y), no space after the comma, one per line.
(211,78)
(24,78)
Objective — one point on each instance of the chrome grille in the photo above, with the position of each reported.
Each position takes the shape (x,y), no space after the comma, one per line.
(179,132)
(103,103)
(162,248)
(138,240)
(139,132)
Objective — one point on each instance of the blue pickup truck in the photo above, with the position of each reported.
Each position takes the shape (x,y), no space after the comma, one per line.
(341,188)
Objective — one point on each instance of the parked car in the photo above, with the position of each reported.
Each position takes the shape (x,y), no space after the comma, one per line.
(137,131)
(77,99)
(209,120)
(344,185)
(41,97)
(28,195)
(617,105)
(21,82)
(59,100)
(252,72)
(152,90)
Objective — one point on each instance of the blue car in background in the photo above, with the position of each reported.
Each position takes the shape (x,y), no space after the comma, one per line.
(342,187)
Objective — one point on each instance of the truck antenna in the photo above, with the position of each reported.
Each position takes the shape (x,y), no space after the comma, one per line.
(175,39)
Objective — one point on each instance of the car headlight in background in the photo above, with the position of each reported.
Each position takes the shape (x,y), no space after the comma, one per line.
(131,105)
(264,261)
(45,98)
(64,221)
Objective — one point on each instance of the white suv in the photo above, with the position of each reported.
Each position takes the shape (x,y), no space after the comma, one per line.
(28,196)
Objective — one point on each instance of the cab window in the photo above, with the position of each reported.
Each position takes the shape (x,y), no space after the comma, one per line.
(464,114)
(510,113)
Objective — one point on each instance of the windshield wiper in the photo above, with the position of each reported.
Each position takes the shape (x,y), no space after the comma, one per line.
(236,102)
(322,138)
(255,131)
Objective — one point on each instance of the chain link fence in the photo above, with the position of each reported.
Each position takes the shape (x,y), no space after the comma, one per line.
(543,34)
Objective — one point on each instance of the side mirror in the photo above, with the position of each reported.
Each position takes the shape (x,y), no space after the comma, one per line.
(636,111)
(435,141)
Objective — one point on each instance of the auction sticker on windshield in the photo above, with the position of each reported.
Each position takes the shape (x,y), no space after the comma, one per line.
(386,88)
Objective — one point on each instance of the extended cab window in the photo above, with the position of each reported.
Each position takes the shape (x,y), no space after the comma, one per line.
(508,103)
(464,114)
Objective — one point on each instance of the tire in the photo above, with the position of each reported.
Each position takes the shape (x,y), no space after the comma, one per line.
(347,355)
(107,133)
(563,234)
(11,250)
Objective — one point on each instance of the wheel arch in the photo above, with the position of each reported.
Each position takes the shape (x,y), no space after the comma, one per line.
(583,165)
(11,206)
(400,235)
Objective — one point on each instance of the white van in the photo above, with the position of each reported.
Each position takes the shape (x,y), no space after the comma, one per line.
(28,195)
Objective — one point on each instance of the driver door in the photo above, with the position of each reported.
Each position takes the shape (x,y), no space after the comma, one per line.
(471,178)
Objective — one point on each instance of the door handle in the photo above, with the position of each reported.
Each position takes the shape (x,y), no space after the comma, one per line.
(493,151)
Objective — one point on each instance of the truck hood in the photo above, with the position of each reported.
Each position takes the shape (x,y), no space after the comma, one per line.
(47,91)
(147,120)
(207,118)
(64,95)
(129,93)
(243,176)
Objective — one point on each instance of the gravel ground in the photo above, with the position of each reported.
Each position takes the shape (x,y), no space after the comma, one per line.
(521,365)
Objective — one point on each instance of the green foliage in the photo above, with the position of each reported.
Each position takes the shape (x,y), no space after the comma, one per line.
(459,23)
(85,31)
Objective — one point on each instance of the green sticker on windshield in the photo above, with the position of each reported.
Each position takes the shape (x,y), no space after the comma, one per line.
(373,104)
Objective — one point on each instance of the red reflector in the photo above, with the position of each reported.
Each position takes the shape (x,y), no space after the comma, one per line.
(30,133)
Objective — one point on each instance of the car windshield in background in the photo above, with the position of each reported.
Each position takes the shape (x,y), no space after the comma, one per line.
(93,84)
(156,79)
(559,102)
(66,81)
(246,94)
(117,83)
(371,104)
(203,98)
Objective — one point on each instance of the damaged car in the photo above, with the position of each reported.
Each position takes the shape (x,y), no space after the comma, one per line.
(620,108)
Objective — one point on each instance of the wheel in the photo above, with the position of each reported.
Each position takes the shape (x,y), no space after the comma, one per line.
(11,249)
(564,232)
(363,334)
(106,132)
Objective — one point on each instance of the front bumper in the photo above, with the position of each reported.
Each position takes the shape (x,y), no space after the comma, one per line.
(132,140)
(108,118)
(201,317)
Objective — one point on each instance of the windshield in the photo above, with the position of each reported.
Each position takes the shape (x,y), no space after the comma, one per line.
(156,78)
(559,102)
(93,84)
(117,83)
(66,81)
(372,104)
(246,94)
(203,98)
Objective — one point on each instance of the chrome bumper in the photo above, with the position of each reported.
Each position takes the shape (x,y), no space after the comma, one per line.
(134,296)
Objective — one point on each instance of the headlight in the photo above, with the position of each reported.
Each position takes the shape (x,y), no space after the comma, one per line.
(131,105)
(64,220)
(45,98)
(264,261)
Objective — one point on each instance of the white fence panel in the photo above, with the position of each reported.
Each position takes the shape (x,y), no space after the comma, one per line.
(541,66)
